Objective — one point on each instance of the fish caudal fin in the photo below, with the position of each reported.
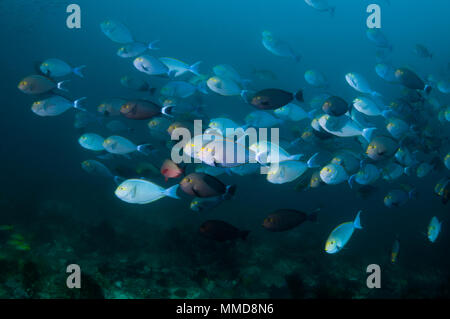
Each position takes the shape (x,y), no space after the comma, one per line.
(357,221)
(60,87)
(77,104)
(77,71)
(172,191)
(244,234)
(167,110)
(351,180)
(244,96)
(299,96)
(145,149)
(195,68)
(413,194)
(152,45)
(375,94)
(230,191)
(118,180)
(202,88)
(387,114)
(313,216)
(311,160)
(367,133)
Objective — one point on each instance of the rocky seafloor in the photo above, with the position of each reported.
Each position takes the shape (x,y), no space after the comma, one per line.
(172,263)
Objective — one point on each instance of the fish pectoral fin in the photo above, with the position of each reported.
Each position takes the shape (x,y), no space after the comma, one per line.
(195,192)
(133,192)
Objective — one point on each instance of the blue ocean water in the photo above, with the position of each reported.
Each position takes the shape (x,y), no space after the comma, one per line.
(155,251)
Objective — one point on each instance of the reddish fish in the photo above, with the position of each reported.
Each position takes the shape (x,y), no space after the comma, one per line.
(170,169)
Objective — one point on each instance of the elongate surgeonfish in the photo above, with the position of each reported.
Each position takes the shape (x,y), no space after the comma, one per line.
(271,99)
(143,110)
(341,235)
(286,219)
(38,84)
(411,80)
(221,231)
(140,191)
(204,185)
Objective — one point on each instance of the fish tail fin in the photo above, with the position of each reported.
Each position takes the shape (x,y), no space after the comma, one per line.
(408,170)
(230,191)
(351,180)
(202,88)
(152,45)
(312,114)
(299,95)
(313,216)
(295,157)
(244,234)
(332,11)
(60,87)
(311,161)
(367,133)
(167,110)
(387,113)
(375,94)
(145,149)
(413,194)
(244,96)
(118,180)
(172,191)
(195,68)
(228,171)
(77,104)
(78,72)
(357,221)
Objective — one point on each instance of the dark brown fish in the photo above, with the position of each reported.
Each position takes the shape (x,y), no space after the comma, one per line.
(286,219)
(335,106)
(221,231)
(204,185)
(142,110)
(411,80)
(270,99)
(38,84)
(381,147)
